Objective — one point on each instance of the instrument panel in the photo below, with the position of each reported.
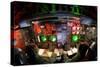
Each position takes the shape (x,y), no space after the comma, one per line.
(53,33)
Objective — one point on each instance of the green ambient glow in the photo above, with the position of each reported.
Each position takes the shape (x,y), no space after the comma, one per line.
(52,38)
(75,38)
(43,38)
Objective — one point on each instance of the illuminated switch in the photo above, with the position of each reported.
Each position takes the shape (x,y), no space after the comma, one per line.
(74,28)
(41,51)
(77,32)
(49,54)
(56,51)
(74,50)
(69,52)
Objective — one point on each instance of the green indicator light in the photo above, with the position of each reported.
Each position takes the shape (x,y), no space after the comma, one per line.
(75,38)
(53,38)
(43,38)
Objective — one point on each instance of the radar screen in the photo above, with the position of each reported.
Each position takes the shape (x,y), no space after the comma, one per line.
(49,33)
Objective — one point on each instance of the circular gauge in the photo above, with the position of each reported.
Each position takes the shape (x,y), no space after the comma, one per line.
(53,38)
(43,38)
(75,38)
